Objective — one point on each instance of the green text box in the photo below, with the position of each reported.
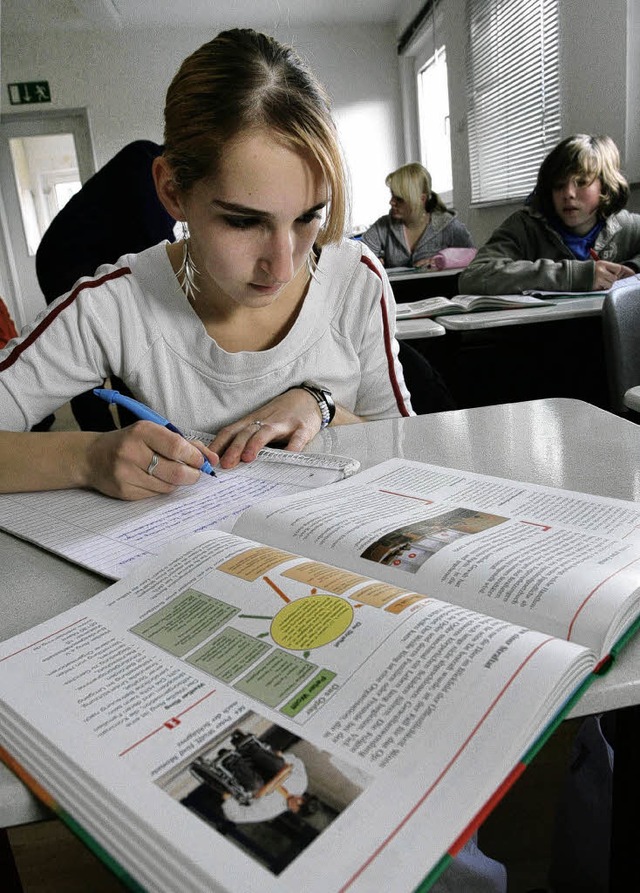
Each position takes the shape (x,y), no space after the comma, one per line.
(190,619)
(276,677)
(229,654)
(304,697)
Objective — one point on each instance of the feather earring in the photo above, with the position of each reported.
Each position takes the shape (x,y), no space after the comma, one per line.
(312,264)
(188,270)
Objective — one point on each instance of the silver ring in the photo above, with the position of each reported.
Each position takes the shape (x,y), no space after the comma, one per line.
(151,467)
(258,423)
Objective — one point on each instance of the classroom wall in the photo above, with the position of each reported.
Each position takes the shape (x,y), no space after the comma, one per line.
(121,78)
(361,69)
(600,90)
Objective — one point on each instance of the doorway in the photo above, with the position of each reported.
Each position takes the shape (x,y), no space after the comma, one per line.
(44,158)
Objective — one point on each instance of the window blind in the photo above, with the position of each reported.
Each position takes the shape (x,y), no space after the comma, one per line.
(513,85)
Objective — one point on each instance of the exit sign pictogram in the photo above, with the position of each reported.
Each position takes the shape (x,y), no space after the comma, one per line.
(29,92)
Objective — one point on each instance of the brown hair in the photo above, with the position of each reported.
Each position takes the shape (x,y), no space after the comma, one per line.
(410,182)
(586,158)
(243,80)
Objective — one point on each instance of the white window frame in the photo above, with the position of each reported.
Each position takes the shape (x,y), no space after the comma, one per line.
(514,95)
(426,120)
(421,46)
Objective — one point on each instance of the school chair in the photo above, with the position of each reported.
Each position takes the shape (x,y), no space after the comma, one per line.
(8,869)
(429,393)
(7,326)
(621,333)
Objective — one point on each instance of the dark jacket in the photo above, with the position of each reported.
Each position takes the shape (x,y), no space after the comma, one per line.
(525,252)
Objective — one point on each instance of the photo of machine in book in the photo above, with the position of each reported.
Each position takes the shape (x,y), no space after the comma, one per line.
(408,547)
(264,788)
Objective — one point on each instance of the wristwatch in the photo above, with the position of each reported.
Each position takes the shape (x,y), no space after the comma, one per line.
(323,398)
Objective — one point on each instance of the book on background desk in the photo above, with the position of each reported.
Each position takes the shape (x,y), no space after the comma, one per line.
(407,637)
(619,283)
(551,296)
(441,306)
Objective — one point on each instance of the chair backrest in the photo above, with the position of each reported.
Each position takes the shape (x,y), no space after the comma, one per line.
(7,326)
(429,393)
(621,332)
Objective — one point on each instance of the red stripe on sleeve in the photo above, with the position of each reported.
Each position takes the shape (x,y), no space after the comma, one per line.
(393,378)
(50,317)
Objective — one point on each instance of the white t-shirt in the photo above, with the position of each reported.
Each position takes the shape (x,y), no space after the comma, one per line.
(133,320)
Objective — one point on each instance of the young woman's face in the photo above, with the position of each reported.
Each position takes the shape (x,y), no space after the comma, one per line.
(401,210)
(397,207)
(253,225)
(576,203)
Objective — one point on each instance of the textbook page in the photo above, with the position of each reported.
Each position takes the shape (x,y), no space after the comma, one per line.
(110,536)
(151,713)
(564,562)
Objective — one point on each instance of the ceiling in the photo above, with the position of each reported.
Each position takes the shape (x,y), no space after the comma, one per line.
(77,15)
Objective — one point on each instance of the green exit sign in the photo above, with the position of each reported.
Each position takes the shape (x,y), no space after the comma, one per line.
(29,92)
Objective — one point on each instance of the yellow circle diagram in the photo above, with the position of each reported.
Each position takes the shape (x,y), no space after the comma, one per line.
(311,622)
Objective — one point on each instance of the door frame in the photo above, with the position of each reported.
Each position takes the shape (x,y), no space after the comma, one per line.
(24,124)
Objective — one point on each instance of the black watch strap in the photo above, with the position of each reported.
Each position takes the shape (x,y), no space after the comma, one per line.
(325,402)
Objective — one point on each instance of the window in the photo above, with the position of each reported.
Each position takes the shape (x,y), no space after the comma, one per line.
(513,88)
(433,113)
(62,187)
(425,95)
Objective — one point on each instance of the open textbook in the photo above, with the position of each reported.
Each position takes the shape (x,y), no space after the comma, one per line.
(332,697)
(466,304)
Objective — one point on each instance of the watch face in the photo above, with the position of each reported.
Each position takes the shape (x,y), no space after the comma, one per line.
(324,391)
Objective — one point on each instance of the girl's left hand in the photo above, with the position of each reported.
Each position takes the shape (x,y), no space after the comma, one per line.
(292,418)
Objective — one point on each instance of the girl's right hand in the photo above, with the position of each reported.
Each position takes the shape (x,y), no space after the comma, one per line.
(121,463)
(606,273)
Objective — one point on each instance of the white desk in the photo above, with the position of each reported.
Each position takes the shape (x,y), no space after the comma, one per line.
(429,327)
(566,308)
(406,329)
(631,397)
(414,284)
(558,442)
(400,274)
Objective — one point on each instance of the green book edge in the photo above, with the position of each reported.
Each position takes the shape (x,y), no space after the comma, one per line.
(603,667)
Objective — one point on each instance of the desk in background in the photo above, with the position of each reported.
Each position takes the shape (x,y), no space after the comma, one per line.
(411,285)
(409,329)
(631,397)
(502,356)
(429,327)
(567,308)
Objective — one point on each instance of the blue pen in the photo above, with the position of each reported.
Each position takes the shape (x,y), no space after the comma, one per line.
(143,412)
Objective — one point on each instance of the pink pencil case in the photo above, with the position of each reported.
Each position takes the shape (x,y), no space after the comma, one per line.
(450,258)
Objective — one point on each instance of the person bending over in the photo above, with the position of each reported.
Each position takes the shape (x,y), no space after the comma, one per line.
(572,235)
